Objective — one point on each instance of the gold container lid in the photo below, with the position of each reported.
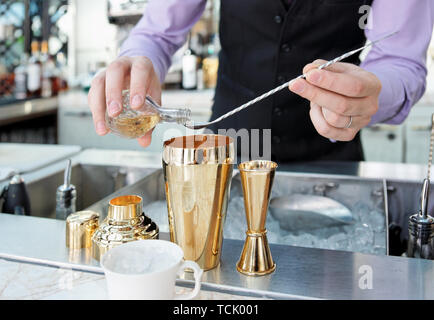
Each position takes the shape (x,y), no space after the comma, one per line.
(80,227)
(125,207)
(125,222)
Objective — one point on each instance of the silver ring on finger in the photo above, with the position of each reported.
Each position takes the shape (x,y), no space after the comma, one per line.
(349,123)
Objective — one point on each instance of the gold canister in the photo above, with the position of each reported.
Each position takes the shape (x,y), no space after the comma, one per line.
(257,180)
(198,173)
(80,227)
(125,222)
(210,70)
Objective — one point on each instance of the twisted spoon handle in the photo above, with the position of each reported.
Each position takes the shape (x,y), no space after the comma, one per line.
(431,147)
(273,91)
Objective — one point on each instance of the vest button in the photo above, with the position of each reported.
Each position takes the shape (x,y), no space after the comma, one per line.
(277,112)
(276,139)
(278,19)
(286,47)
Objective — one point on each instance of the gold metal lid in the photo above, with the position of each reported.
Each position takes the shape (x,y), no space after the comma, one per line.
(80,227)
(125,207)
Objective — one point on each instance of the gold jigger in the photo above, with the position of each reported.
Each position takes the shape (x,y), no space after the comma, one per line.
(257,180)
(197,173)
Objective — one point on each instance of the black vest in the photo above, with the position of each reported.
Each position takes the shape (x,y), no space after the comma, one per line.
(264,45)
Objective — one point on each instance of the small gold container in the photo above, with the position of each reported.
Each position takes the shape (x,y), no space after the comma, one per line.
(80,227)
(125,222)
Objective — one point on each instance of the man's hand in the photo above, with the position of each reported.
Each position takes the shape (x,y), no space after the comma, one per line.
(135,73)
(342,91)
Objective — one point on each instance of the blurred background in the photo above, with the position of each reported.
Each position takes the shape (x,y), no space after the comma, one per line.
(51,49)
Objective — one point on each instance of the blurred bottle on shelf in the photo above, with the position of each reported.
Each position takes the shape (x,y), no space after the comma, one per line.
(6,82)
(20,89)
(34,72)
(189,68)
(198,46)
(49,78)
(199,77)
(211,62)
(61,72)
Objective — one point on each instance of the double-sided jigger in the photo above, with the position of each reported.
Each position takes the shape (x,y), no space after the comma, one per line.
(257,180)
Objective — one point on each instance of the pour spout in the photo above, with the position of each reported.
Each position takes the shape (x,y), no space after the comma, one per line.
(67,176)
(424,198)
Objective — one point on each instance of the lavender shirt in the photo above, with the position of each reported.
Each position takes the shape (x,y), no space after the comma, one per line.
(399,62)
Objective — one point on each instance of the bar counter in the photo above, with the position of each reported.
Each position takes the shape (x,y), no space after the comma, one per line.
(27,109)
(33,247)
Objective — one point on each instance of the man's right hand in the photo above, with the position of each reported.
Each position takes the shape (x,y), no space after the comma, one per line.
(135,73)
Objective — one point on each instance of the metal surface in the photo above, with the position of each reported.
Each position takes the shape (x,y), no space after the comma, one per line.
(257,180)
(198,126)
(396,172)
(307,212)
(197,173)
(25,158)
(302,273)
(92,182)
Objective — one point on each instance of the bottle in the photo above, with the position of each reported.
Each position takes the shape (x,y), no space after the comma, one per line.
(16,198)
(20,91)
(136,123)
(189,67)
(34,72)
(199,78)
(48,66)
(211,62)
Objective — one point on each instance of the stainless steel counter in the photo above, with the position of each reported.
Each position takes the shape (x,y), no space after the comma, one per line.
(302,273)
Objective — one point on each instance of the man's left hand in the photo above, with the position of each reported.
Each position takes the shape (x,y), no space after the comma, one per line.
(342,98)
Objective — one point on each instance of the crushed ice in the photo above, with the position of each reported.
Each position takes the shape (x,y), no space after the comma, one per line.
(366,235)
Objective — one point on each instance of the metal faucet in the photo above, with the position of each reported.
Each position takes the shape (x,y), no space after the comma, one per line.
(421,224)
(66,196)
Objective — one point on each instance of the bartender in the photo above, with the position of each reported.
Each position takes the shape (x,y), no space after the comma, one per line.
(265,43)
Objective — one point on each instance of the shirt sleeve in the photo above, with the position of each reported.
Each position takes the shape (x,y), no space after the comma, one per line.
(399,61)
(162,30)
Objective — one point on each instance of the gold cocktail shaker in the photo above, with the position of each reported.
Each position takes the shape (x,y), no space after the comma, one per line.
(125,222)
(257,180)
(198,173)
